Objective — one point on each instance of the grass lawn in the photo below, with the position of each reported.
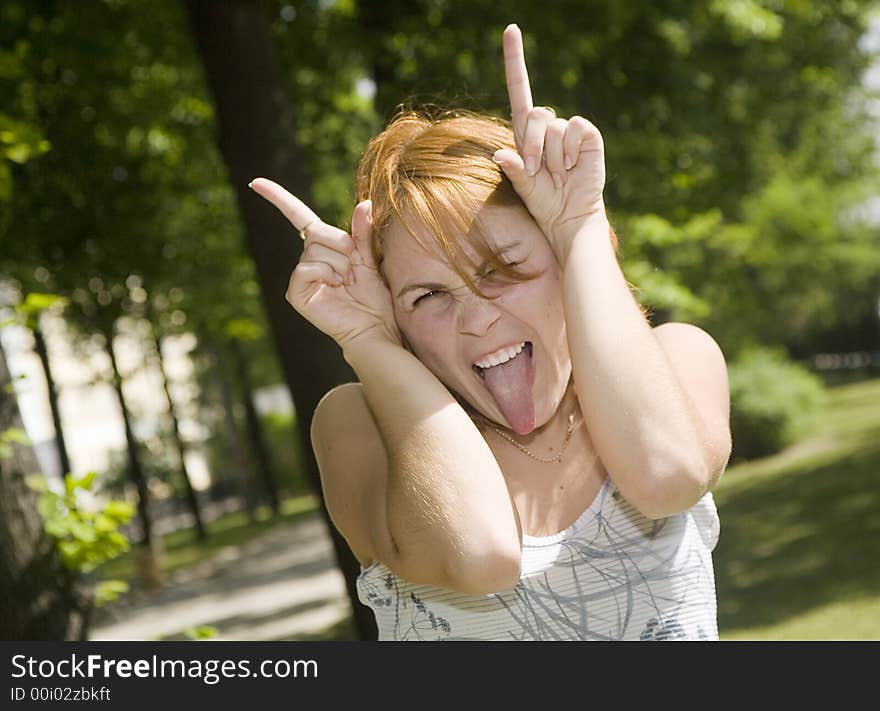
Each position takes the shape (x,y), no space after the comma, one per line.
(799,553)
(182,549)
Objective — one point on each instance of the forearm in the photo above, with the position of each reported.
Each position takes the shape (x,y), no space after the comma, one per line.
(639,418)
(447,501)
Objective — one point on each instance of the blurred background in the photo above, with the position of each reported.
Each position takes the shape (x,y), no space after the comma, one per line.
(156,479)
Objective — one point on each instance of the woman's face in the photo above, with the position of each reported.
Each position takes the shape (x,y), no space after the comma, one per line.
(450,329)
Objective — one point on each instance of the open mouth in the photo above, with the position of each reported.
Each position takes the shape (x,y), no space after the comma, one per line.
(481,371)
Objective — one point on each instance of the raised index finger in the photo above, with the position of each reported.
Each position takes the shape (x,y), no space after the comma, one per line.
(294,209)
(518,89)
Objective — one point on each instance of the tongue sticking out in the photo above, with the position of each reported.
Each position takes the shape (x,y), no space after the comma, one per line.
(511,385)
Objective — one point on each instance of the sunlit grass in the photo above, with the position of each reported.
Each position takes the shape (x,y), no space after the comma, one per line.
(846,619)
(798,556)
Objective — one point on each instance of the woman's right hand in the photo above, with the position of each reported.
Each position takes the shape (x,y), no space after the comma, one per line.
(336,285)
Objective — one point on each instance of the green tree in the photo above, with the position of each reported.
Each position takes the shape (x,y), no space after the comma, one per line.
(738,142)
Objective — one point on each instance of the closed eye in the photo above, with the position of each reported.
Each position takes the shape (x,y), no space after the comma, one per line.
(506,264)
(426,295)
(435,292)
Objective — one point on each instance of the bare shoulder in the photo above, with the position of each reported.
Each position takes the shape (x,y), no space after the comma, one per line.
(353,464)
(687,338)
(696,359)
(343,407)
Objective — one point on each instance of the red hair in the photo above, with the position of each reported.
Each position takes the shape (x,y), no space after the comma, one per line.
(436,171)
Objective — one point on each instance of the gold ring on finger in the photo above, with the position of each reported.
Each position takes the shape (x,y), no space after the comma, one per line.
(302,232)
(550,109)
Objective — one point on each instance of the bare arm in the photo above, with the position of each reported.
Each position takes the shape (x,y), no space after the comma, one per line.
(662,434)
(441,512)
(646,429)
(449,518)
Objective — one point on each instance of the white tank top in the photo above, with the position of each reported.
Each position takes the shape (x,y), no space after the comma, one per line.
(612,575)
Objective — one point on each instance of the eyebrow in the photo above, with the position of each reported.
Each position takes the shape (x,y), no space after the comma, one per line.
(430,286)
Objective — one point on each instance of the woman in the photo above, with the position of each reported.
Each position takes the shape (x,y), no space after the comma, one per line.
(524,457)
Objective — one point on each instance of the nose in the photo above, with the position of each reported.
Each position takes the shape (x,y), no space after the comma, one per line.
(476,314)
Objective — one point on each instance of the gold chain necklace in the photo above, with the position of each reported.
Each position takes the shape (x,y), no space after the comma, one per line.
(555,458)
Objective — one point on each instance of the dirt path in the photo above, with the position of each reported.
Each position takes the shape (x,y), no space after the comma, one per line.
(279,586)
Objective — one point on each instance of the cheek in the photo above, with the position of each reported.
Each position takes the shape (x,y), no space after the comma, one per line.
(424,338)
(539,300)
(551,296)
(554,296)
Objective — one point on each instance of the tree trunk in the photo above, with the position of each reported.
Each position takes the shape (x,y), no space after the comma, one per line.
(255,125)
(375,20)
(255,428)
(191,497)
(149,553)
(233,437)
(43,353)
(37,594)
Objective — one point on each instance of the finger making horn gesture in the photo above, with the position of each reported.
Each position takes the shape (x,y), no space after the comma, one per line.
(336,285)
(558,170)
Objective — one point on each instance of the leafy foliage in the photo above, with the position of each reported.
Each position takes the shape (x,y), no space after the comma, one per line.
(86,538)
(201,632)
(739,137)
(27,313)
(772,401)
(10,436)
(280,431)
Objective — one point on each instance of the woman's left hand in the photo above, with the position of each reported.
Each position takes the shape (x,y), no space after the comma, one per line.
(559,169)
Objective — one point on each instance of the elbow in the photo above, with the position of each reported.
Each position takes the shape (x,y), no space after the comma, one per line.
(470,572)
(486,574)
(668,494)
(664,506)
(680,487)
